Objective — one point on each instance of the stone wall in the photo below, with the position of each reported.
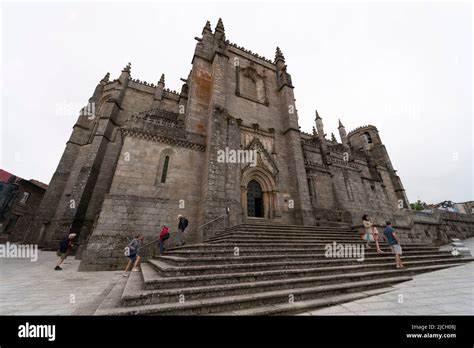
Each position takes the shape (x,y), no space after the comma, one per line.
(412,226)
(139,203)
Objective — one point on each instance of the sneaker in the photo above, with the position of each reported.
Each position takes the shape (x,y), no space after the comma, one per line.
(136,269)
(57,268)
(125,275)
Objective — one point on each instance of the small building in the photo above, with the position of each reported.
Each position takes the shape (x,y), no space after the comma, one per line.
(465,207)
(19,201)
(462,207)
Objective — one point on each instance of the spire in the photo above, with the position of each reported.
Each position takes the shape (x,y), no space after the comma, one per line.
(160,86)
(125,75)
(317,116)
(207,27)
(128,68)
(220,26)
(319,126)
(106,78)
(343,135)
(279,55)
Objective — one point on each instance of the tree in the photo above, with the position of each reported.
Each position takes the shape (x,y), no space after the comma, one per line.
(418,205)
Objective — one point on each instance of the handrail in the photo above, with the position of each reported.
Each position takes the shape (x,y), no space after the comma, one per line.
(217,218)
(211,229)
(147,244)
(145,247)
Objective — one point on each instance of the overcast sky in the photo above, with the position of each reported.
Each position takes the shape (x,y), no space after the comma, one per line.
(404,67)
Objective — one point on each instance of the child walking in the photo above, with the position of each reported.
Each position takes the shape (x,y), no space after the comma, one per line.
(370,230)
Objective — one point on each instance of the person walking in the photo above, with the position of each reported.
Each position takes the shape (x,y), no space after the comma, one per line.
(371,233)
(65,248)
(131,251)
(391,237)
(164,235)
(182,225)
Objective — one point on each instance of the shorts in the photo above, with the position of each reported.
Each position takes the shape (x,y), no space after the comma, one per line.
(396,249)
(62,255)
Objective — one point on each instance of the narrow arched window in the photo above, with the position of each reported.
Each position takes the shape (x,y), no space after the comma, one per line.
(165,169)
(368,138)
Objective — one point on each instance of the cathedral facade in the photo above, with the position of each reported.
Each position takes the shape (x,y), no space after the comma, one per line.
(146,154)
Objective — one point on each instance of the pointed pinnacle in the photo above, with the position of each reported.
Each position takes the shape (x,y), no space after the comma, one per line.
(340,124)
(279,54)
(220,25)
(207,27)
(317,116)
(162,79)
(106,78)
(127,68)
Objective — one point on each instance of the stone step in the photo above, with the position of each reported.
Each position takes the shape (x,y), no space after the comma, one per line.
(140,295)
(285,245)
(303,306)
(286,238)
(288,231)
(267,225)
(232,303)
(114,297)
(261,241)
(167,276)
(185,261)
(286,235)
(228,252)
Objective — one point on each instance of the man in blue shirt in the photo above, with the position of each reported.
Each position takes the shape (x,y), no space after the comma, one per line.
(394,242)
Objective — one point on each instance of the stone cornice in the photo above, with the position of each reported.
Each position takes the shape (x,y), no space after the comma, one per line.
(138,133)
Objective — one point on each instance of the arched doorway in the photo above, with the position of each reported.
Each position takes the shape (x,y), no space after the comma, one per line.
(254,199)
(259,196)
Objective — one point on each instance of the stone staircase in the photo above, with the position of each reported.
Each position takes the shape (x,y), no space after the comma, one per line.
(264,269)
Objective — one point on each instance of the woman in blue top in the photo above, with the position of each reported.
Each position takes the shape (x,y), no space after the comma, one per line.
(131,251)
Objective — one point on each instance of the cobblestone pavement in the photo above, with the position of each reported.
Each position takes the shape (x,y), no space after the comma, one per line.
(445,292)
(34,288)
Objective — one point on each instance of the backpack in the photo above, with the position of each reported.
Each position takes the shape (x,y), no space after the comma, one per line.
(185,222)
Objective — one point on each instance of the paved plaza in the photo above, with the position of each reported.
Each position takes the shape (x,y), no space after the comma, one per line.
(34,288)
(445,292)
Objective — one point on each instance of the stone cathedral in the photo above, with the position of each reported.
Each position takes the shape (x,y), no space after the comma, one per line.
(147,154)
